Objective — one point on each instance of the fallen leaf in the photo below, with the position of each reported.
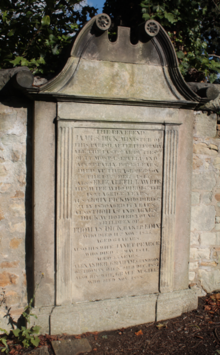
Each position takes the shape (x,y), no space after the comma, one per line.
(18,347)
(217,296)
(95,337)
(77,336)
(120,333)
(139,333)
(88,334)
(95,349)
(161,325)
(52,337)
(10,342)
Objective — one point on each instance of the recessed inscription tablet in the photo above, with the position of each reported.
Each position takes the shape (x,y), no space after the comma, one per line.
(117,188)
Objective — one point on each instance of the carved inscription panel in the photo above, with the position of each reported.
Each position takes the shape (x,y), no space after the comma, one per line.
(112,199)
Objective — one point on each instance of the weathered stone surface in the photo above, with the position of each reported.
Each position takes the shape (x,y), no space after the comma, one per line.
(38,81)
(15,156)
(18,194)
(218,238)
(195,198)
(210,279)
(203,181)
(15,242)
(119,80)
(213,146)
(193,265)
(194,238)
(87,226)
(173,304)
(192,275)
(8,264)
(204,149)
(217,163)
(44,215)
(196,254)
(207,238)
(13,139)
(203,218)
(216,254)
(18,227)
(12,297)
(78,111)
(7,121)
(205,126)
(7,278)
(71,346)
(3,170)
(39,351)
(207,197)
(217,197)
(213,105)
(197,162)
(103,315)
(208,263)
(43,319)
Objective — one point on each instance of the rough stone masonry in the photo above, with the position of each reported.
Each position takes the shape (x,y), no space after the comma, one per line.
(204,267)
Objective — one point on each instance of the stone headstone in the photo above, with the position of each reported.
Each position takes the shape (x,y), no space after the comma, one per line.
(113,157)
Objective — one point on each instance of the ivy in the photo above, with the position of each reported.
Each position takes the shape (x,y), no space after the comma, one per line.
(193,27)
(39,33)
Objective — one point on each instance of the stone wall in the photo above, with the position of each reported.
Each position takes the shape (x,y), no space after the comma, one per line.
(14,217)
(204,268)
(15,205)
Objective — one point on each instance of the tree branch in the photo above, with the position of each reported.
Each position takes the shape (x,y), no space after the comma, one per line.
(215,5)
(214,55)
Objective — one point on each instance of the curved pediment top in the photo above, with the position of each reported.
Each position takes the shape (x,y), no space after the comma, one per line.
(147,70)
(93,43)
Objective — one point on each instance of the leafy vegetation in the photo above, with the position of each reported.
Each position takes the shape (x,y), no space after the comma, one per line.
(38,33)
(193,26)
(25,335)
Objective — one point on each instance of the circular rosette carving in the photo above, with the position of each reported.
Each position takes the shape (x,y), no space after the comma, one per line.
(152,28)
(103,22)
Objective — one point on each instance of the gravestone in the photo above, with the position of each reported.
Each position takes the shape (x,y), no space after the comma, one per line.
(112,183)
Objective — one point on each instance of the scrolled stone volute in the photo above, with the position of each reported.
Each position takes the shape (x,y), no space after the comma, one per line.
(103,22)
(152,28)
(23,79)
(18,78)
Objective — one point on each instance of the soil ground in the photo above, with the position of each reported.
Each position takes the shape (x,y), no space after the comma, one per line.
(196,332)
